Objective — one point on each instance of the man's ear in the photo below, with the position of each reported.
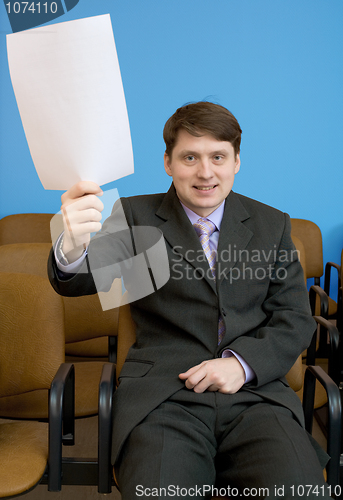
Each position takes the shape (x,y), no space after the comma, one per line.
(238,163)
(167,164)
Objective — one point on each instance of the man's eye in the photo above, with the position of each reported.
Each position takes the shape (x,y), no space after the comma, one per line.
(218,158)
(190,158)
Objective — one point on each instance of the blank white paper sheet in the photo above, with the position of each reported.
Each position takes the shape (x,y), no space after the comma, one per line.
(67,83)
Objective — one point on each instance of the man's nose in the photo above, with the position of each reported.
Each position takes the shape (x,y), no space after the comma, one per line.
(205,169)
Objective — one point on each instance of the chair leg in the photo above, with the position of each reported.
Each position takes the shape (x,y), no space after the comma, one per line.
(61,419)
(106,390)
(334,417)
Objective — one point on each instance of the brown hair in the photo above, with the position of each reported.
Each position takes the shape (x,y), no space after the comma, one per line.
(201,118)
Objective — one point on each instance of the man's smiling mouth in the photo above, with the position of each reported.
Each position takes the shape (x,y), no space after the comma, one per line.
(204,188)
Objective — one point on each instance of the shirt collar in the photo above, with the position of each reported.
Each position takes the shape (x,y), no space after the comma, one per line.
(215,217)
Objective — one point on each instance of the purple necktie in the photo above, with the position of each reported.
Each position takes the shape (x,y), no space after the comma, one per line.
(204,228)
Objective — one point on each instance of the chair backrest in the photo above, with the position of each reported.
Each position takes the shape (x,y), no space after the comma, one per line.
(301,254)
(31,333)
(29,258)
(310,235)
(25,228)
(84,317)
(126,334)
(31,351)
(340,300)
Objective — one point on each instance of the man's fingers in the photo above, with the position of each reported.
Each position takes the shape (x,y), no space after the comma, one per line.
(210,380)
(192,370)
(213,388)
(85,229)
(197,378)
(82,216)
(194,379)
(83,203)
(225,375)
(80,189)
(205,385)
(187,373)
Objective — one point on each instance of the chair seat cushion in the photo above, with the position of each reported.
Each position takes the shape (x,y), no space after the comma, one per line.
(95,348)
(34,404)
(332,307)
(24,455)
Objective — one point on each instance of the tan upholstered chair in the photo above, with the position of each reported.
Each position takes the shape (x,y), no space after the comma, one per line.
(35,228)
(340,299)
(301,254)
(296,376)
(84,321)
(311,237)
(318,297)
(25,228)
(31,351)
(302,258)
(31,369)
(309,233)
(320,301)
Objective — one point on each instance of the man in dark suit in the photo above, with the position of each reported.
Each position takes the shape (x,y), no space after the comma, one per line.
(202,398)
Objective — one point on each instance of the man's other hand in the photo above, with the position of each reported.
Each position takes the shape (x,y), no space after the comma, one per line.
(224,375)
(81,209)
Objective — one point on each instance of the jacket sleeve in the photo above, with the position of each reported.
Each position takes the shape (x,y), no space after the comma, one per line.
(107,250)
(272,348)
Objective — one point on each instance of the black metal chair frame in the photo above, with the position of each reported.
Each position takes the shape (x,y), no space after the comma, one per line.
(312,374)
(327,276)
(79,471)
(331,383)
(327,330)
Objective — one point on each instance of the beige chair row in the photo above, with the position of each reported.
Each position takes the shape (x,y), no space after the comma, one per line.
(32,366)
(27,258)
(31,359)
(83,339)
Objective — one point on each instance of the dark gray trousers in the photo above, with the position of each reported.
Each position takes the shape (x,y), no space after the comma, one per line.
(203,445)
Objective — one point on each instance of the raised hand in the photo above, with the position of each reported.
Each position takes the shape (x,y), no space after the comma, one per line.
(81,209)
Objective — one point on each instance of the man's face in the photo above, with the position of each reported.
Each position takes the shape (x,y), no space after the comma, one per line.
(203,170)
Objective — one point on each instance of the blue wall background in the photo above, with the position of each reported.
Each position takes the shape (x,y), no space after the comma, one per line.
(276,64)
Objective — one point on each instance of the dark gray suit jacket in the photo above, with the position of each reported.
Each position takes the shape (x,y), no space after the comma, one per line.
(259,292)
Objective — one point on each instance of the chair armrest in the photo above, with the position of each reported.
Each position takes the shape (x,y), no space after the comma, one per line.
(327,276)
(312,374)
(334,368)
(61,421)
(106,390)
(340,310)
(112,348)
(324,301)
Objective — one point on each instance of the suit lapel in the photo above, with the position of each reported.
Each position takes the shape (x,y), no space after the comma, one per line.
(180,234)
(234,236)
